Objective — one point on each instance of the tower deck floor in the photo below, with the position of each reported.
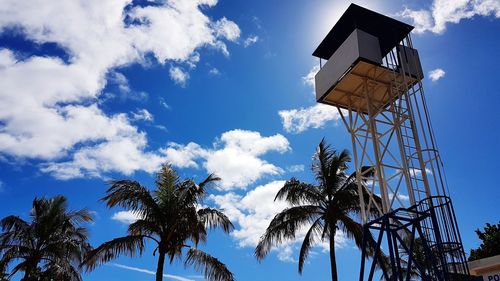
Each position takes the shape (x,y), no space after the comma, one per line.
(366,83)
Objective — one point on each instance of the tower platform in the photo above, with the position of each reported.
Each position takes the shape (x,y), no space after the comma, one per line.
(365,83)
(359,61)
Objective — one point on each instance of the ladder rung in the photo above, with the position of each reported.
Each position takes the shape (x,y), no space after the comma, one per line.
(412,157)
(407,136)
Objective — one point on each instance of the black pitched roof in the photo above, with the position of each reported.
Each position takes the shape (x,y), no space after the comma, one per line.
(388,30)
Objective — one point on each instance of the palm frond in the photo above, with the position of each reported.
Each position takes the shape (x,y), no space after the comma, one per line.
(19,267)
(212,268)
(352,229)
(344,157)
(284,226)
(13,223)
(169,216)
(80,216)
(53,236)
(15,231)
(373,212)
(11,253)
(61,270)
(130,195)
(166,178)
(212,178)
(296,192)
(143,227)
(128,245)
(193,193)
(321,158)
(191,226)
(327,205)
(213,218)
(308,242)
(347,198)
(336,170)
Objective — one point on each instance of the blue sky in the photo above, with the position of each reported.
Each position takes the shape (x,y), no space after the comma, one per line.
(98,90)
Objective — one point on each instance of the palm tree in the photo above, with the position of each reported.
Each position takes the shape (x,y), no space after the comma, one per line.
(51,246)
(325,208)
(171,217)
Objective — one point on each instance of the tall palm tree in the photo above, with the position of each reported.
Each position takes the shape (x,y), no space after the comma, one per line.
(171,217)
(324,208)
(51,246)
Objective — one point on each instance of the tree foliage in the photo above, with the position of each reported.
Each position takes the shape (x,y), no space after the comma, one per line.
(330,205)
(490,246)
(50,246)
(172,217)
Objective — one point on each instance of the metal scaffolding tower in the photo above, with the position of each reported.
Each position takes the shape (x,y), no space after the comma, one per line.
(374,78)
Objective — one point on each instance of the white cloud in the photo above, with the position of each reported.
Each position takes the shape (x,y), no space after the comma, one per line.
(257,21)
(309,78)
(250,40)
(150,272)
(1,186)
(49,132)
(123,154)
(214,71)
(178,75)
(193,59)
(238,168)
(221,47)
(285,254)
(65,127)
(403,197)
(295,168)
(164,103)
(126,217)
(443,12)
(124,89)
(235,157)
(238,162)
(299,120)
(6,58)
(422,19)
(253,143)
(161,127)
(184,156)
(416,172)
(142,115)
(121,81)
(227,29)
(254,211)
(436,74)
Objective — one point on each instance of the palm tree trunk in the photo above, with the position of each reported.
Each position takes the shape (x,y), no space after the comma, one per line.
(159,268)
(28,272)
(333,262)
(26,276)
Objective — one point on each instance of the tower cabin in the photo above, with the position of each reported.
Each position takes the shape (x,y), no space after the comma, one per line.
(362,73)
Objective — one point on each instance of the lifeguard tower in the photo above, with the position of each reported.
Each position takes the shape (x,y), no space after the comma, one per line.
(373,76)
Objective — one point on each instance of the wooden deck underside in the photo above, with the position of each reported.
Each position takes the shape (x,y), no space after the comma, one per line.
(366,83)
